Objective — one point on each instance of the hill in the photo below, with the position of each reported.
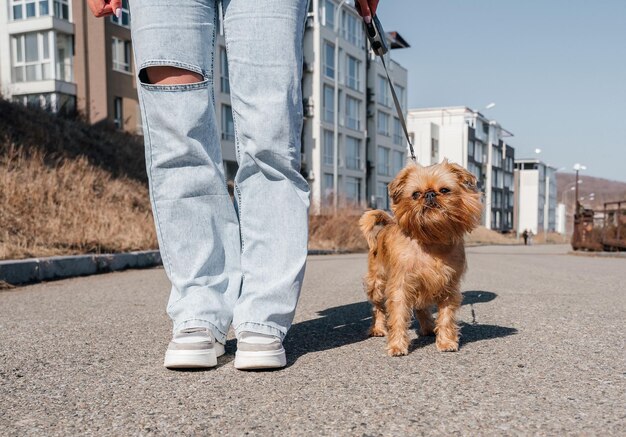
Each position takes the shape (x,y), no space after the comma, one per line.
(604,190)
(69,188)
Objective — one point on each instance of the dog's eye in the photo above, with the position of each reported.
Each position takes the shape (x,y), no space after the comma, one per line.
(444,190)
(416,195)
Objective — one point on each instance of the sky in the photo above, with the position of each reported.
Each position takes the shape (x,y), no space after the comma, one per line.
(556,70)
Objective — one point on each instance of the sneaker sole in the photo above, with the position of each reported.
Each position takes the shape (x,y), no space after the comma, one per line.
(193,359)
(248,360)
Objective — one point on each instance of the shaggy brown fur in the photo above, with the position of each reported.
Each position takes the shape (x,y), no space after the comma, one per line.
(417,259)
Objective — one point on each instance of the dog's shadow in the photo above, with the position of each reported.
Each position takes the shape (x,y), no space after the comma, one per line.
(348,324)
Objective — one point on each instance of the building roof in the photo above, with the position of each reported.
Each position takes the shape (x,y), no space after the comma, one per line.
(396,41)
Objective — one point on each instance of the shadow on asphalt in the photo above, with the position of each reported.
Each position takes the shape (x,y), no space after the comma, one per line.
(348,324)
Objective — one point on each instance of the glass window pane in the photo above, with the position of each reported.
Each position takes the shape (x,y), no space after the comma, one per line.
(43,7)
(31,72)
(17,44)
(30,9)
(18,74)
(46,46)
(47,71)
(17,12)
(32,52)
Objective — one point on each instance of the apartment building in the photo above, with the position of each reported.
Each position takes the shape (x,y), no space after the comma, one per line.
(64,59)
(470,139)
(56,55)
(386,143)
(36,53)
(536,207)
(348,111)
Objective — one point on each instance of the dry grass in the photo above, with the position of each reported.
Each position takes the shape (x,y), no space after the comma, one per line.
(68,206)
(340,232)
(483,236)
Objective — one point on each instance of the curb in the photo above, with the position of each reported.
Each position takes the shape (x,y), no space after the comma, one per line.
(598,254)
(32,270)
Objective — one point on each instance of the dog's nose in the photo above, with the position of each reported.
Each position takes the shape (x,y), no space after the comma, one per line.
(430,196)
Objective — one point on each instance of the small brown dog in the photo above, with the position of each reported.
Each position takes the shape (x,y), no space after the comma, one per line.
(417,259)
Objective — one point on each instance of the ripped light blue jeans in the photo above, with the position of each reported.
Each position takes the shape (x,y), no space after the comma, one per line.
(241,262)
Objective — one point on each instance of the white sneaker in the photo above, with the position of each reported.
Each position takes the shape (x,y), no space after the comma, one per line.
(193,348)
(259,351)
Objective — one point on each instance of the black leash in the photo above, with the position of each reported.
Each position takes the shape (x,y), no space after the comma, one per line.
(399,111)
(378,41)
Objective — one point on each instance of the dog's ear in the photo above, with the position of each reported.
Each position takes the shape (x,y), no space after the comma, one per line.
(396,186)
(466,179)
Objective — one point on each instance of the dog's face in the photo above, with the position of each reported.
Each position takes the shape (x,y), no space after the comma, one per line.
(436,204)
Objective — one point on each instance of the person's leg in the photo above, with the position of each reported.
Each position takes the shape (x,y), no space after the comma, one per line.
(197,227)
(264,44)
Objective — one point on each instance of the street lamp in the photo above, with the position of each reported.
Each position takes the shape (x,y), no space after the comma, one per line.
(578,167)
(336,109)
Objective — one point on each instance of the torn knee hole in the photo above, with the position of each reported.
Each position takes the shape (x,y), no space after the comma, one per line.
(167,75)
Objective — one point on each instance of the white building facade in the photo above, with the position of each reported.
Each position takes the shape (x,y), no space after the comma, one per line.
(340,136)
(36,53)
(536,200)
(475,142)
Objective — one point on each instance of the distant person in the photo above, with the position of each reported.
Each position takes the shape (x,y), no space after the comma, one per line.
(238,265)
(530,237)
(525,237)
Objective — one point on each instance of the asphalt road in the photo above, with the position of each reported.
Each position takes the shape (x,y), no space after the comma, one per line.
(542,353)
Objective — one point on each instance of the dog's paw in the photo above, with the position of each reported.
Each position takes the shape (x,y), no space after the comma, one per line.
(397,351)
(447,345)
(377,332)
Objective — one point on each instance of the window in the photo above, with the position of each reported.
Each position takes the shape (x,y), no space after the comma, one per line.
(383,123)
(118,117)
(353,109)
(398,161)
(228,126)
(328,104)
(434,151)
(124,19)
(121,55)
(383,92)
(509,163)
(400,92)
(353,73)
(329,60)
(328,185)
(383,162)
(496,178)
(224,82)
(352,29)
(22,9)
(54,102)
(397,131)
(353,153)
(65,58)
(61,9)
(329,13)
(329,150)
(478,151)
(31,57)
(496,155)
(382,197)
(353,189)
